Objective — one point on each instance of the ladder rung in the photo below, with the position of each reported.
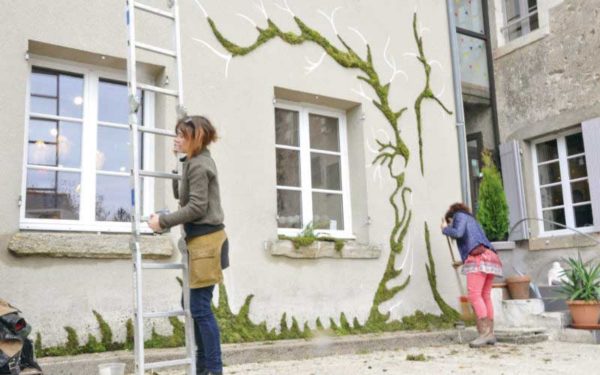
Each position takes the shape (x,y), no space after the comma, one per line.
(163,364)
(153,10)
(164,314)
(157,89)
(157,131)
(162,266)
(171,176)
(162,51)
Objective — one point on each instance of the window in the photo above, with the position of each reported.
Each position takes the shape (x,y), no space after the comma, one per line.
(521,18)
(562,189)
(312,170)
(472,47)
(77,156)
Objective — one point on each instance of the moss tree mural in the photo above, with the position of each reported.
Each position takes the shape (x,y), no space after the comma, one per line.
(392,154)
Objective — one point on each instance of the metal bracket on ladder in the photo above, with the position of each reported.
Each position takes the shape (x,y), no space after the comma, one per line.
(134,103)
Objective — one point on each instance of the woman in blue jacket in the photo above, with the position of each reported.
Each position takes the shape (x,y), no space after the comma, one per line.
(480,265)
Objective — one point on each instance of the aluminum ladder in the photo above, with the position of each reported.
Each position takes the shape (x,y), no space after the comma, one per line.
(172,15)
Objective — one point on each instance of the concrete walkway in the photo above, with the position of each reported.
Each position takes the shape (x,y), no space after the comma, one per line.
(368,354)
(543,358)
(236,354)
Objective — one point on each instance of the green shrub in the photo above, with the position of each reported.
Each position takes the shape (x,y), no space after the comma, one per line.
(492,212)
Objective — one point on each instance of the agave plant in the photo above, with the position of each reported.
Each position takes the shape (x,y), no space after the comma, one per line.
(582,282)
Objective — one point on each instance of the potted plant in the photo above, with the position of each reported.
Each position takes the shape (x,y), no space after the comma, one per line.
(581,287)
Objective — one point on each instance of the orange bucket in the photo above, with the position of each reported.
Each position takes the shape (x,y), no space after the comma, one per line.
(466,309)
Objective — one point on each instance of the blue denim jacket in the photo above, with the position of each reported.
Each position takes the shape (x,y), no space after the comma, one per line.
(468,233)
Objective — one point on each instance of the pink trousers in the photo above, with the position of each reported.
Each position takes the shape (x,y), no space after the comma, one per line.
(479,285)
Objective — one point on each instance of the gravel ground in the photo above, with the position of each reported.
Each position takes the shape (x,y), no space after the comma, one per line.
(544,358)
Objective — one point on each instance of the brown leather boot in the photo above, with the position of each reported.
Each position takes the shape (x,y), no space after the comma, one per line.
(482,330)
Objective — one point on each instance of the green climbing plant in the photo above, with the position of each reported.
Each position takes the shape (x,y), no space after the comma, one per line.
(389,152)
(432,278)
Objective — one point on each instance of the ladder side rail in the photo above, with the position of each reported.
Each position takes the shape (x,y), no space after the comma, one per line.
(135,196)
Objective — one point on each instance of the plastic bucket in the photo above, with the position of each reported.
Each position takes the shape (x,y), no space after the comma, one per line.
(466,309)
(111,369)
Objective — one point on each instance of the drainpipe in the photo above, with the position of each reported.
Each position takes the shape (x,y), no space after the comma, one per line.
(459,108)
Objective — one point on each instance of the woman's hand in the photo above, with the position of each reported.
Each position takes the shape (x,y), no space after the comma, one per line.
(154,223)
(444,224)
(457,264)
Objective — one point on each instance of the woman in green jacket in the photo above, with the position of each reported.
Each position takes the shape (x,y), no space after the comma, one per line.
(201,215)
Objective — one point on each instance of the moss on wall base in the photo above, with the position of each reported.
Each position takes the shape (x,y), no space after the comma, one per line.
(239,328)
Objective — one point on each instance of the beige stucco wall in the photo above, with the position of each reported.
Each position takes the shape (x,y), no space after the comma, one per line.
(57,292)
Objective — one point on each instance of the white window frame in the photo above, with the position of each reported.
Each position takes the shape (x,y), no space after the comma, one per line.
(89,122)
(304,109)
(565,184)
(505,46)
(524,19)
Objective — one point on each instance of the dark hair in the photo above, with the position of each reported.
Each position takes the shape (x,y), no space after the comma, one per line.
(199,132)
(454,208)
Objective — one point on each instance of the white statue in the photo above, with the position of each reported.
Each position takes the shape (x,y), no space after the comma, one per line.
(556,274)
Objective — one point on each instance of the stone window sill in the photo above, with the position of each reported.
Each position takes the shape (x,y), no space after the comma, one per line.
(521,42)
(87,245)
(323,249)
(504,245)
(561,242)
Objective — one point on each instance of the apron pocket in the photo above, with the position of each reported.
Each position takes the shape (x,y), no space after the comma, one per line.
(205,262)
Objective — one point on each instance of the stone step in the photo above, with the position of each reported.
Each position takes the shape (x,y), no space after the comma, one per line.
(521,335)
(580,336)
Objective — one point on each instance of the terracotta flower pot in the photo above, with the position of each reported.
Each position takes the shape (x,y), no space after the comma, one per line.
(518,286)
(504,288)
(584,313)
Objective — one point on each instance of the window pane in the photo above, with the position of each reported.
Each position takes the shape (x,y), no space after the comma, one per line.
(577,167)
(52,140)
(113,198)
(113,103)
(580,191)
(288,167)
(547,151)
(469,15)
(325,170)
(43,83)
(44,106)
(328,211)
(113,151)
(324,133)
(52,195)
(557,216)
(286,127)
(552,196)
(549,173)
(512,9)
(583,216)
(534,22)
(473,62)
(289,209)
(71,96)
(42,130)
(574,144)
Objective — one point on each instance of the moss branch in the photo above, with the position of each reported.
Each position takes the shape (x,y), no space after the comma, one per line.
(426,93)
(388,152)
(432,278)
